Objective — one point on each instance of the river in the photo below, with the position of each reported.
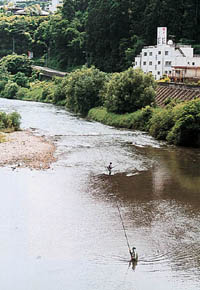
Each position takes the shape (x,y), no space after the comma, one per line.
(60,228)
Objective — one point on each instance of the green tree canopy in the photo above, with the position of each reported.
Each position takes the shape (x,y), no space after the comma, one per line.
(17,63)
(129,91)
(83,89)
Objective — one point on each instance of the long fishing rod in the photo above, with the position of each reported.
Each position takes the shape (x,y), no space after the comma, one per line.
(124,229)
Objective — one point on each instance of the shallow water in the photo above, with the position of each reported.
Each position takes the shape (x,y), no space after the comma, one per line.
(60,229)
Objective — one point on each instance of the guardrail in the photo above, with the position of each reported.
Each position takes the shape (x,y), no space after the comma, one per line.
(48,72)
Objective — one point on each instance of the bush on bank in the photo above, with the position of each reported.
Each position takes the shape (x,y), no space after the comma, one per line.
(9,122)
(128,91)
(179,125)
(10,90)
(83,89)
(87,88)
(186,129)
(137,120)
(161,123)
(38,91)
(14,63)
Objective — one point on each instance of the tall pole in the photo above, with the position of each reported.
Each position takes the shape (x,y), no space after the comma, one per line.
(13,45)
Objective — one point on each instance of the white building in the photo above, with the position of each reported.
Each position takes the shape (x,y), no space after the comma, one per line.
(166,58)
(54,5)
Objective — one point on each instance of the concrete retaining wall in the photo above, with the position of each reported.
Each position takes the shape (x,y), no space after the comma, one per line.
(176,92)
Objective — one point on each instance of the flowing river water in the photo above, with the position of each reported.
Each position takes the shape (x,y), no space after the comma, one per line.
(60,228)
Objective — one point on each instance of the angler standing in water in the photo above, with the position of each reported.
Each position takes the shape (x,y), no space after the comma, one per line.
(134,255)
(134,258)
(110,168)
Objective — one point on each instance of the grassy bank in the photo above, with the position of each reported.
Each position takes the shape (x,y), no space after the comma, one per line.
(125,100)
(38,91)
(178,125)
(137,120)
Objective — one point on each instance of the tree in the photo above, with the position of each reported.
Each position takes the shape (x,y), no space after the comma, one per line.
(10,90)
(108,25)
(128,91)
(71,7)
(83,89)
(186,129)
(17,63)
(17,33)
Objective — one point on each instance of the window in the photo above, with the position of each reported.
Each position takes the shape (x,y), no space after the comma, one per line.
(193,63)
(166,72)
(150,72)
(170,72)
(168,63)
(150,63)
(150,53)
(159,52)
(166,52)
(159,62)
(144,63)
(136,63)
(158,72)
(145,53)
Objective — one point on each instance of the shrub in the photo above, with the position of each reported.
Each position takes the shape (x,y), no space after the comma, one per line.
(22,94)
(186,129)
(21,79)
(137,120)
(2,85)
(129,91)
(83,89)
(15,119)
(10,90)
(142,118)
(47,94)
(4,74)
(3,118)
(59,93)
(17,63)
(9,121)
(161,123)
(4,78)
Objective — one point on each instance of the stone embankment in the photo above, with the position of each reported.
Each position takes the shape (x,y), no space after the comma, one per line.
(176,92)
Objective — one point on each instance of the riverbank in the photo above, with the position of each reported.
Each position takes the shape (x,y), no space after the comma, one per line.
(24,149)
(178,124)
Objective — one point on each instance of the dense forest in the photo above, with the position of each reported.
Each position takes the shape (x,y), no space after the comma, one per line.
(104,33)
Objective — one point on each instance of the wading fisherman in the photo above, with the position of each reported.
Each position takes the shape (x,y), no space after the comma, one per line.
(110,168)
(134,255)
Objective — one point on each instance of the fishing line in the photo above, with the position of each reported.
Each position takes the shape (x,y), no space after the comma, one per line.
(123,228)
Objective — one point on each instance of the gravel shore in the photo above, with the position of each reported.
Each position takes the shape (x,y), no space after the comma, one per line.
(24,149)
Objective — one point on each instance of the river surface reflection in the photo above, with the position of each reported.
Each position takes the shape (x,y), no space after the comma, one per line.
(60,228)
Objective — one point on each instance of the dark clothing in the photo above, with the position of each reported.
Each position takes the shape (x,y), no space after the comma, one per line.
(133,255)
(109,168)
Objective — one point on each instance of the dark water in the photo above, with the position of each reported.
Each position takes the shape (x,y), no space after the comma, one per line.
(60,228)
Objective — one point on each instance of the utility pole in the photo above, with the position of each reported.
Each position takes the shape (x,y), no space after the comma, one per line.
(13,45)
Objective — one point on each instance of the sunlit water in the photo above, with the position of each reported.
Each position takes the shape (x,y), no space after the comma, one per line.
(60,229)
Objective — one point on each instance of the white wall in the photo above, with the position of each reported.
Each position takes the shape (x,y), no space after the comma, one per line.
(159,59)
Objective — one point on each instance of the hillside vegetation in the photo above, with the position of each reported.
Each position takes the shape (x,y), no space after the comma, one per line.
(96,42)
(125,99)
(107,34)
